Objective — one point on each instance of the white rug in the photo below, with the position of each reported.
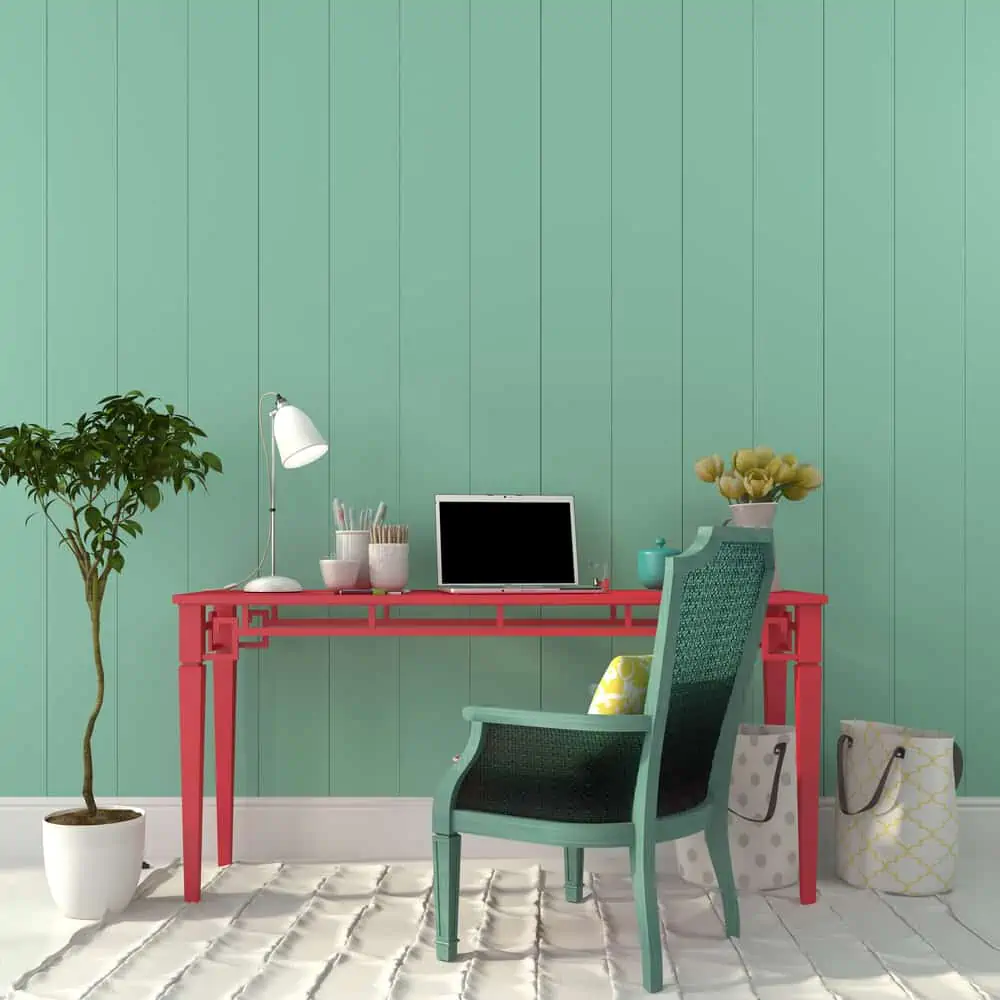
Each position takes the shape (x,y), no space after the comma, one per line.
(312,932)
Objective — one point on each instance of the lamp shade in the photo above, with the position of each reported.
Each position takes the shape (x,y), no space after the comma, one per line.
(296,437)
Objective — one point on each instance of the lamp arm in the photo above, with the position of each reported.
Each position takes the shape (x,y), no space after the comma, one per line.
(269,544)
(271,504)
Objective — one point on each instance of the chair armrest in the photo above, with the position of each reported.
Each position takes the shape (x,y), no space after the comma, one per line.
(558,720)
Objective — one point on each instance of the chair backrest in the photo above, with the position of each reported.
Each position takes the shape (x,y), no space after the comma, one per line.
(711,614)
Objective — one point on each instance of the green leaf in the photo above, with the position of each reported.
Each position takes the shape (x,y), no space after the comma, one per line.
(151,496)
(93,518)
(212,461)
(116,561)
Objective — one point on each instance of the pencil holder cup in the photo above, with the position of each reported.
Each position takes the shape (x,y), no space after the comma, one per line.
(390,565)
(354,545)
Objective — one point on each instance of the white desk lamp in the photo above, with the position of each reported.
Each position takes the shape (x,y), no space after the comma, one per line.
(298,443)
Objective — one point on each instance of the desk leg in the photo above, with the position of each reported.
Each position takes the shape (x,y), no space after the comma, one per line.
(808,723)
(191,686)
(224,705)
(224,697)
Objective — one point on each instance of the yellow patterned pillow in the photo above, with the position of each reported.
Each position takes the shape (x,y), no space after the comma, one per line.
(622,690)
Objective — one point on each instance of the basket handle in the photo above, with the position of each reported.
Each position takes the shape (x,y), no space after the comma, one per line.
(843,745)
(780,749)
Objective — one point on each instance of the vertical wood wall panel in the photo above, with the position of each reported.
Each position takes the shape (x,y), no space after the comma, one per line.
(647,418)
(153,357)
(82,336)
(295,361)
(929,369)
(717,265)
(364,426)
(22,386)
(505,297)
(718,244)
(788,263)
(788,269)
(576,306)
(982,409)
(858,363)
(223,295)
(434,361)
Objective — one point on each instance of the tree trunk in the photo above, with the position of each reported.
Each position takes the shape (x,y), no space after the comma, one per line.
(94,602)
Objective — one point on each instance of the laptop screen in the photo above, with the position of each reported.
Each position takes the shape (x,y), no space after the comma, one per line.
(506,541)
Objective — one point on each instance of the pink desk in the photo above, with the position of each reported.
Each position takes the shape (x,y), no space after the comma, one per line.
(216,624)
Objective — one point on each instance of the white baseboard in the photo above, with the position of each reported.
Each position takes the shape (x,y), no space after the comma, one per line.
(375,829)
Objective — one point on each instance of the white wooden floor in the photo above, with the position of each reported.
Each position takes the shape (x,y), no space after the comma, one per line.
(363,930)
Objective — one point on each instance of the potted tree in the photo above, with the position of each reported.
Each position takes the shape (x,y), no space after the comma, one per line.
(93,482)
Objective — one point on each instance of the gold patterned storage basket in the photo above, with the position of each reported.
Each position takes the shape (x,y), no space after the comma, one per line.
(897,828)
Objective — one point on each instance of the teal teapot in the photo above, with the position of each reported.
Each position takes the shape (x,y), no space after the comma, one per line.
(652,564)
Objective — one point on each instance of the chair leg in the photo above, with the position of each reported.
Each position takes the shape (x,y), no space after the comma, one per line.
(717,838)
(642,857)
(447,865)
(573,864)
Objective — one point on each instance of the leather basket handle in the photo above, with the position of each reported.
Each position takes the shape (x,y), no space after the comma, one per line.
(843,745)
(780,749)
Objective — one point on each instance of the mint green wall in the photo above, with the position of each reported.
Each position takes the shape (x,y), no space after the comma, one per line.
(503,245)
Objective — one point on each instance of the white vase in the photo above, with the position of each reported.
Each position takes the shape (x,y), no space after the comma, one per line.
(755,515)
(93,870)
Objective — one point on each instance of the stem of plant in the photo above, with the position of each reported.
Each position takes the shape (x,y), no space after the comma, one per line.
(94,599)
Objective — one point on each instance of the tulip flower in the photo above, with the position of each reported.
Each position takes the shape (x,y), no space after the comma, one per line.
(731,487)
(762,456)
(709,469)
(808,477)
(781,471)
(757,484)
(795,492)
(744,460)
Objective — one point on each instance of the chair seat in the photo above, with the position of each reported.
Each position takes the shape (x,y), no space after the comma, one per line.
(573,797)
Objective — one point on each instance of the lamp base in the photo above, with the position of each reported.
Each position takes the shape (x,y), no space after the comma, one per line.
(273,584)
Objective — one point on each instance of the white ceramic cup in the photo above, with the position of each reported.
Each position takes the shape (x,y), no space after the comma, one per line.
(354,545)
(339,574)
(390,565)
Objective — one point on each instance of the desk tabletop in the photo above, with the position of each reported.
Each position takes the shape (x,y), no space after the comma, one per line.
(439,598)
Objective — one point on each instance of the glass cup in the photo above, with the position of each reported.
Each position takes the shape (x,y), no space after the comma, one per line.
(597,573)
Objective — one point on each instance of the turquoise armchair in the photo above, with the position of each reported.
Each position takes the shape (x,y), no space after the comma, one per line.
(632,781)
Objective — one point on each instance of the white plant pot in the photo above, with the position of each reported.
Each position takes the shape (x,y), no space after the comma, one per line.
(93,870)
(756,515)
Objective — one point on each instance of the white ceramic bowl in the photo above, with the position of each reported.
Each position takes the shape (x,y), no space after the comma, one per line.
(339,574)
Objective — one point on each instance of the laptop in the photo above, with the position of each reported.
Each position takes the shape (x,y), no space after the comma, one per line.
(509,543)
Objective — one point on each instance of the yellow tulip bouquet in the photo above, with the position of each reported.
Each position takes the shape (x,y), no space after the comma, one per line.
(758,475)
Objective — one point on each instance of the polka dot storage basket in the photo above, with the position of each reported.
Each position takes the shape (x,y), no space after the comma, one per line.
(763,815)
